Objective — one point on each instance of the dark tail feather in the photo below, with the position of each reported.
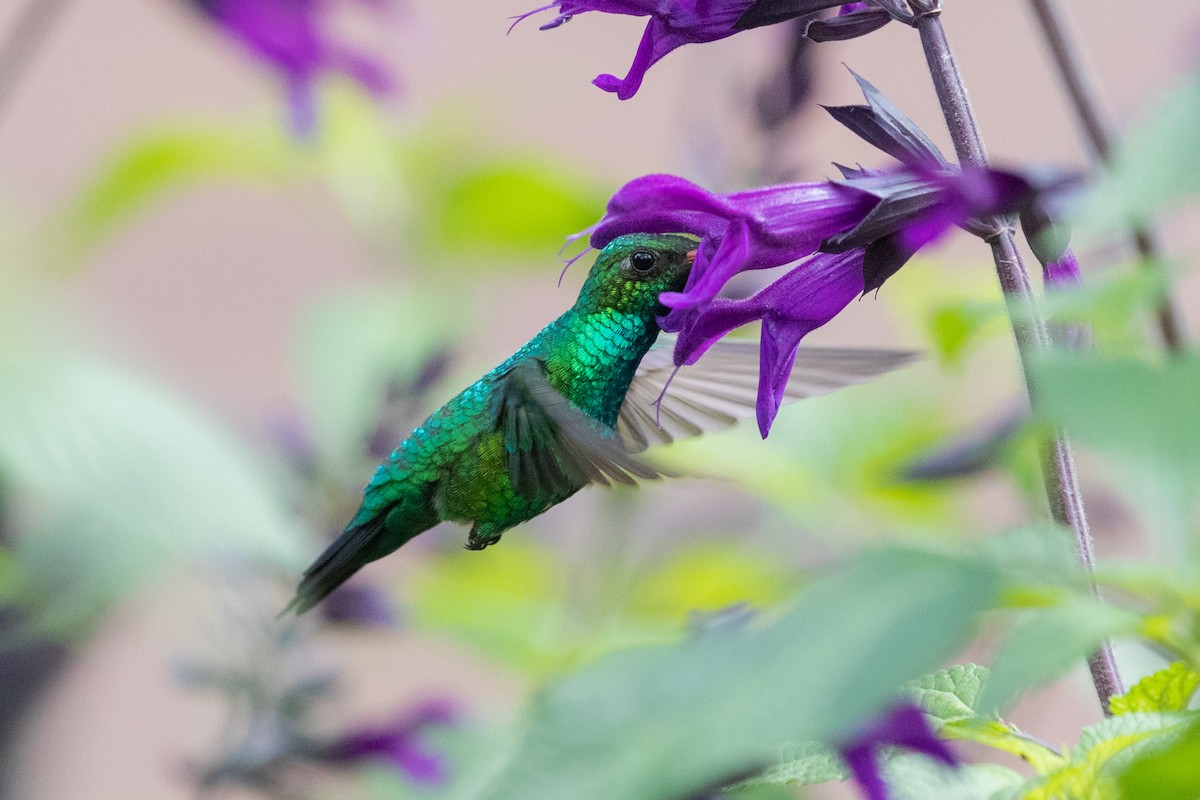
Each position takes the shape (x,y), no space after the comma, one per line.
(356,547)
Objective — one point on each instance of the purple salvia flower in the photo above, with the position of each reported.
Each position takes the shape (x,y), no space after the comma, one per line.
(754,229)
(673,23)
(399,744)
(872,221)
(904,726)
(293,37)
(790,308)
(1062,272)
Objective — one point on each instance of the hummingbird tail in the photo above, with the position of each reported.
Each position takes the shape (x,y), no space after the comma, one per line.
(348,553)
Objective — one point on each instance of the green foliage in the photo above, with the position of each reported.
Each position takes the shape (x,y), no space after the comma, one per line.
(949,695)
(914,777)
(663,721)
(513,206)
(804,764)
(1169,689)
(1104,750)
(517,606)
(950,699)
(116,481)
(1155,165)
(150,166)
(1167,771)
(348,349)
(1048,643)
(1137,410)
(1143,416)
(1114,304)
(476,205)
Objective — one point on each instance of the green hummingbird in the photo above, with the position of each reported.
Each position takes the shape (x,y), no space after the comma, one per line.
(570,408)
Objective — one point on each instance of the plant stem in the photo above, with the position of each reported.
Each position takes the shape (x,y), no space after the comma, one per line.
(21,43)
(1062,484)
(1098,134)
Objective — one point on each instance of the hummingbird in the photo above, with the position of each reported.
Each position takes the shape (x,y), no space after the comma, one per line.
(571,408)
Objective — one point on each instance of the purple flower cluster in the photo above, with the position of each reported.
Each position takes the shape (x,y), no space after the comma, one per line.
(841,237)
(673,23)
(293,37)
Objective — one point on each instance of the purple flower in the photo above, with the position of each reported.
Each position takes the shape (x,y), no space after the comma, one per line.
(399,744)
(293,37)
(904,726)
(673,23)
(359,604)
(848,237)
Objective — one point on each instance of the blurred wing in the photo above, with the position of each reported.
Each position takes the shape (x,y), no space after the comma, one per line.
(553,447)
(722,387)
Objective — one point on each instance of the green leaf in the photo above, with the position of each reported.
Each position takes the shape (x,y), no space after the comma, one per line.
(1047,644)
(1169,689)
(1155,165)
(117,481)
(956,329)
(659,722)
(1143,416)
(156,163)
(349,348)
(515,205)
(1042,553)
(803,764)
(1132,408)
(949,695)
(914,777)
(950,699)
(1103,751)
(1166,772)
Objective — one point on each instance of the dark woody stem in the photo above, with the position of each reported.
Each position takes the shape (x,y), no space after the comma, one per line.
(1097,132)
(1062,484)
(21,43)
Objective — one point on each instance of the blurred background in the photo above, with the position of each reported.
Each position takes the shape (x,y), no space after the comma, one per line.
(214,328)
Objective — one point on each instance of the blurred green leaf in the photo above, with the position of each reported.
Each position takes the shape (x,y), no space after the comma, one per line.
(117,481)
(1143,416)
(348,349)
(156,163)
(1132,408)
(837,461)
(1114,303)
(957,328)
(1048,643)
(1167,772)
(1169,689)
(914,777)
(1103,751)
(513,205)
(664,721)
(1155,165)
(515,607)
(1041,553)
(508,605)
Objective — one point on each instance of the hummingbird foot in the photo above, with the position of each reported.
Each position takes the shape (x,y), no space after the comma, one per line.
(480,538)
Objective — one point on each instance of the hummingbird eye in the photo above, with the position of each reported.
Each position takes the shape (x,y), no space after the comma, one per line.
(642,261)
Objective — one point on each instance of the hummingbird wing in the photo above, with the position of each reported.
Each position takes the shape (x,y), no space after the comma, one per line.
(554,448)
(722,387)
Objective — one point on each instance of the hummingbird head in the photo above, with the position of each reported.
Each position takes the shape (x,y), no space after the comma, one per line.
(633,270)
